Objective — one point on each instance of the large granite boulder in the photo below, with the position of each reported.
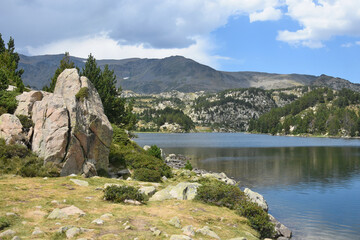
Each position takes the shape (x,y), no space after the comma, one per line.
(11,129)
(26,101)
(181,191)
(69,131)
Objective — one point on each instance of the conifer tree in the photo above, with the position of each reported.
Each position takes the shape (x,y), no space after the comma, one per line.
(92,72)
(9,60)
(115,107)
(65,63)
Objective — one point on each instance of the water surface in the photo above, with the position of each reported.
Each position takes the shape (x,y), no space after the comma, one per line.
(312,185)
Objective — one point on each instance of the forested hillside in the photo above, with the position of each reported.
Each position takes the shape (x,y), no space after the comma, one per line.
(322,111)
(227,111)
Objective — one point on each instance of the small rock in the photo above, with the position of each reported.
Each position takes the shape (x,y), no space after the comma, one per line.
(282,238)
(72,175)
(155,231)
(188,230)
(242,238)
(175,221)
(164,178)
(16,238)
(38,207)
(98,221)
(72,210)
(24,222)
(129,179)
(37,232)
(11,214)
(133,202)
(45,178)
(127,227)
(7,233)
(111,184)
(207,231)
(72,232)
(149,191)
(180,237)
(106,216)
(80,182)
(57,214)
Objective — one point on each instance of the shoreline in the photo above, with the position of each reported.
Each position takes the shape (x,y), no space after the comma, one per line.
(256,133)
(178,161)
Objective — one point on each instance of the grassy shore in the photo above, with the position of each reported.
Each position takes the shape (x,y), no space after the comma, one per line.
(31,199)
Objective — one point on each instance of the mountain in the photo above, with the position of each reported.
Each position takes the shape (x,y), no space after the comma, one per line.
(175,73)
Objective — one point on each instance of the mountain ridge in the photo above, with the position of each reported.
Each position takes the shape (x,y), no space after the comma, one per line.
(144,75)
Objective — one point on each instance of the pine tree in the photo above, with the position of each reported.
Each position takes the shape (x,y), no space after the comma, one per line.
(2,45)
(65,63)
(104,81)
(9,61)
(92,72)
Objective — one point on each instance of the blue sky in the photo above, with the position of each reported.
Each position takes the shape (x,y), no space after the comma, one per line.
(278,36)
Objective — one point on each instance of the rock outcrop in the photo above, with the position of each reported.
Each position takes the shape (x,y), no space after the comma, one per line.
(256,198)
(70,131)
(11,129)
(181,191)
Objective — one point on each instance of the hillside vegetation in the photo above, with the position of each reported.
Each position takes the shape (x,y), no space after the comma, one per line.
(322,111)
(226,111)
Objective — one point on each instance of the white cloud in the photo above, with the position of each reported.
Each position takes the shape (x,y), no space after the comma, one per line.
(358,42)
(103,47)
(268,13)
(347,45)
(321,21)
(158,23)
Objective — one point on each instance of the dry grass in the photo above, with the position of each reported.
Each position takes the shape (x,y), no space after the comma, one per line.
(30,199)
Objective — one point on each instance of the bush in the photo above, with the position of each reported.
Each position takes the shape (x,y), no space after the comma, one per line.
(127,154)
(154,151)
(188,165)
(120,193)
(82,94)
(219,193)
(17,159)
(103,173)
(26,122)
(8,102)
(258,218)
(147,175)
(4,223)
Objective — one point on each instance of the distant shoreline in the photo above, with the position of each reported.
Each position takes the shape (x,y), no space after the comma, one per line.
(256,133)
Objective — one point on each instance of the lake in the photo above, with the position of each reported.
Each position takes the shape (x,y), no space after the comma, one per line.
(312,185)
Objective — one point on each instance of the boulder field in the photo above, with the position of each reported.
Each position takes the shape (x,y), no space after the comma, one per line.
(69,130)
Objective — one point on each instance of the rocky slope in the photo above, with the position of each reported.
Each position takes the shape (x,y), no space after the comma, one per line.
(227,111)
(175,73)
(69,129)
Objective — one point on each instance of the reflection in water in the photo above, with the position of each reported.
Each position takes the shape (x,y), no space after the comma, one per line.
(262,167)
(312,185)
